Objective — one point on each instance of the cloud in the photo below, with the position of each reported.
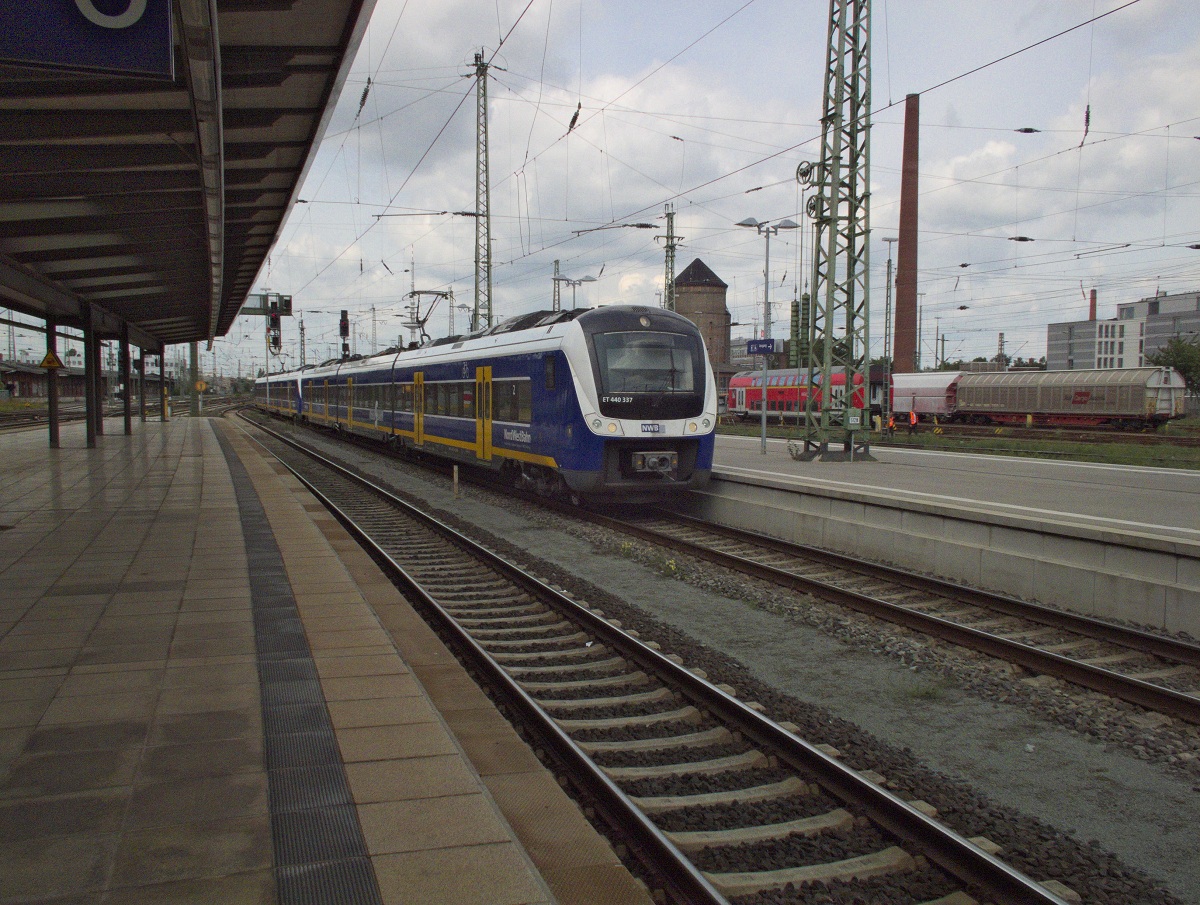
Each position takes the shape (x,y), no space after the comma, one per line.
(709,132)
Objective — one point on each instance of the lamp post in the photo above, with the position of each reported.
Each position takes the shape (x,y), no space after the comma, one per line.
(573,284)
(765,228)
(920,328)
(885,407)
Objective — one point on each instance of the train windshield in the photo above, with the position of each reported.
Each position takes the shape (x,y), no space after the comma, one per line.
(646,362)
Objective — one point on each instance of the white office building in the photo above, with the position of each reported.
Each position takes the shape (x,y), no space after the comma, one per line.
(1140,329)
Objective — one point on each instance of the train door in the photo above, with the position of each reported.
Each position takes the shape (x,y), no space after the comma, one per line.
(418,408)
(389,404)
(483,413)
(349,401)
(740,404)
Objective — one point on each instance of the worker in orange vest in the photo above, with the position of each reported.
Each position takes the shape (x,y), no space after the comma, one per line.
(912,422)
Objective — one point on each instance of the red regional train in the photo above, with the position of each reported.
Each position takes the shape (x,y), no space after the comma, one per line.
(787,392)
(1123,398)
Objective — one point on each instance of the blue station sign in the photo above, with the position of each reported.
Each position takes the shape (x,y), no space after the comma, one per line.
(124,36)
(764,346)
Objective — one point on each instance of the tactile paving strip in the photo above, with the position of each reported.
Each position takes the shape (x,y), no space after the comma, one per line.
(320,854)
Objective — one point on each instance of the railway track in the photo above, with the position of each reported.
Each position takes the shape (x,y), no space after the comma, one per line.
(16,421)
(716,800)
(1062,434)
(1158,673)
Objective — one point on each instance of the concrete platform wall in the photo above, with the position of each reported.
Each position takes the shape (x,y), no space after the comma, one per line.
(1142,579)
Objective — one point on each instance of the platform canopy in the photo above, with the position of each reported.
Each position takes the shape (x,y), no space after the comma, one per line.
(153,200)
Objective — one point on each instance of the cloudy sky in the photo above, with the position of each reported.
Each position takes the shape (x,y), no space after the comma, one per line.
(710,105)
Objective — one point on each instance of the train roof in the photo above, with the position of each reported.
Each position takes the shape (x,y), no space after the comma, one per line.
(1140,377)
(539,330)
(925,380)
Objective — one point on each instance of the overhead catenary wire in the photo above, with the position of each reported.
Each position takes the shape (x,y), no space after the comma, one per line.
(531,215)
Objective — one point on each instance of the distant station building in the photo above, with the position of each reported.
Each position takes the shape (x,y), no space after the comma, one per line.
(700,297)
(22,380)
(1140,329)
(28,382)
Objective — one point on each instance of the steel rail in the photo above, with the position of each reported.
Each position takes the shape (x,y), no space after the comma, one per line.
(958,856)
(1135,639)
(649,843)
(1145,694)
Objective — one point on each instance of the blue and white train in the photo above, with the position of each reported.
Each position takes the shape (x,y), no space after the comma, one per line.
(612,401)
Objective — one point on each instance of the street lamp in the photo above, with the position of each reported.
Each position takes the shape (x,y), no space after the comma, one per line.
(885,401)
(765,228)
(573,284)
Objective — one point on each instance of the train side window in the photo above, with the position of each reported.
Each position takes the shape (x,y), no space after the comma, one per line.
(511,401)
(549,372)
(503,398)
(525,402)
(468,400)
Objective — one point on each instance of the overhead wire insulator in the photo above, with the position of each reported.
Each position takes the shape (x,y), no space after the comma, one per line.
(362,101)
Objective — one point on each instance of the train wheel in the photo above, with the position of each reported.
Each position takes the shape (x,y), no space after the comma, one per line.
(567,495)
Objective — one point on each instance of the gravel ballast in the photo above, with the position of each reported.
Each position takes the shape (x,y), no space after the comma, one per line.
(1092,793)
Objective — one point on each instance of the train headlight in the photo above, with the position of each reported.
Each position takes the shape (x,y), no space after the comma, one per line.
(692,427)
(707,424)
(612,427)
(596,423)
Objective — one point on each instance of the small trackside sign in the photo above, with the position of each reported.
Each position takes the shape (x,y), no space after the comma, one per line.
(652,428)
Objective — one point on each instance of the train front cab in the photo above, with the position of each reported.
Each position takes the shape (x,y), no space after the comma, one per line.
(649,408)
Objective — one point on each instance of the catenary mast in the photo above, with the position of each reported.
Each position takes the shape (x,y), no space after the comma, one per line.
(483,216)
(836,426)
(669,273)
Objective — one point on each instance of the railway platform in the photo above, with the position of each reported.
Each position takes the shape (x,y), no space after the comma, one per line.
(1108,541)
(209,693)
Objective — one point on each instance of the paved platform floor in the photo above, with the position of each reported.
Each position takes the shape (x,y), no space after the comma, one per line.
(208,693)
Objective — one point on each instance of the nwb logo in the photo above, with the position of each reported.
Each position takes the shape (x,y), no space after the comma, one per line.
(652,428)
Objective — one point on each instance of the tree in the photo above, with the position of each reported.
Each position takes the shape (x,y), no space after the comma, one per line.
(1184,357)
(1029,364)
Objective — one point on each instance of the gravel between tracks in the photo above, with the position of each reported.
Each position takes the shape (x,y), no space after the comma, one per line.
(1034,766)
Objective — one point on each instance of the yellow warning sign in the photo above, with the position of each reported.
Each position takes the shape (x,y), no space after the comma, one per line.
(51,361)
(201,386)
